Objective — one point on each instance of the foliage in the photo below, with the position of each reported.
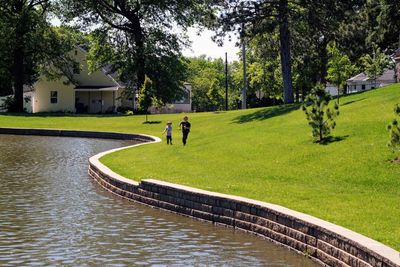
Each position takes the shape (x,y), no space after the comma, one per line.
(146,94)
(320,116)
(207,77)
(386,30)
(8,103)
(394,132)
(339,68)
(376,64)
(139,38)
(253,17)
(262,154)
(5,60)
(32,47)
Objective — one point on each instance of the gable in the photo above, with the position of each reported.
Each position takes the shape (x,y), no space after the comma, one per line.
(85,78)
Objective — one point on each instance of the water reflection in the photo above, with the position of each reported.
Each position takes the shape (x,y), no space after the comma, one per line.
(53,214)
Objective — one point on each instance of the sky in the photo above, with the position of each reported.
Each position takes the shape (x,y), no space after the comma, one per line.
(203,45)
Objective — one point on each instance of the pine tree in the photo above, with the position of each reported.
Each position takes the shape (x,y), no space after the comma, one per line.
(394,132)
(320,116)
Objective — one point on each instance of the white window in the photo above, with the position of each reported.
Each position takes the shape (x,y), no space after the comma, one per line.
(53,97)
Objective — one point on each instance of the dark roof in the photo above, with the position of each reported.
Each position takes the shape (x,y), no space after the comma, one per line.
(388,75)
(397,52)
(92,87)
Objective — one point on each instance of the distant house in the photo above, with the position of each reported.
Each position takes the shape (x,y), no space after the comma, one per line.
(362,82)
(331,89)
(177,106)
(96,92)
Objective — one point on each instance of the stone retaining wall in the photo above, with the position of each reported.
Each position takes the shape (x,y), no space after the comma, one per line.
(72,133)
(327,243)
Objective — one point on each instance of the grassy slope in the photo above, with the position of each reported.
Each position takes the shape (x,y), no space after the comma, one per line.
(267,154)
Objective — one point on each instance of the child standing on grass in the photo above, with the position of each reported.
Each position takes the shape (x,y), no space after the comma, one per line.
(185,126)
(168,132)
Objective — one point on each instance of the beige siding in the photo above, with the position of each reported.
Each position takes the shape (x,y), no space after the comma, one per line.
(41,99)
(96,102)
(85,78)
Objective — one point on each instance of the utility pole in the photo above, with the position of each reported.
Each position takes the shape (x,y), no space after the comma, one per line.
(244,91)
(226,81)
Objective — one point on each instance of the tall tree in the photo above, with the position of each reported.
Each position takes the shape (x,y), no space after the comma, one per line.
(5,60)
(142,36)
(33,45)
(339,68)
(23,19)
(207,78)
(387,32)
(375,65)
(260,17)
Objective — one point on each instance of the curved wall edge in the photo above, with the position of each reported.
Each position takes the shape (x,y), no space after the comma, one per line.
(329,244)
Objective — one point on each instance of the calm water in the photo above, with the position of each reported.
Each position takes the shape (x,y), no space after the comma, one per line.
(53,214)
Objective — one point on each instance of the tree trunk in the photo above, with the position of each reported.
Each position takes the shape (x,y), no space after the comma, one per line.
(19,58)
(139,49)
(18,76)
(284,37)
(323,55)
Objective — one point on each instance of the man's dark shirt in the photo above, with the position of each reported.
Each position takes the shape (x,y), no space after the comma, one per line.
(185,126)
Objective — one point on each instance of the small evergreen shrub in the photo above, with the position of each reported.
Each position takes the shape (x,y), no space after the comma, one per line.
(320,115)
(394,132)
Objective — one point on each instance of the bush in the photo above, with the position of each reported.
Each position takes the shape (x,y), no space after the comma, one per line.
(394,132)
(8,103)
(320,116)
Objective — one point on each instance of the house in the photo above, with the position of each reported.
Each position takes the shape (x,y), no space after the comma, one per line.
(362,82)
(331,89)
(95,92)
(177,106)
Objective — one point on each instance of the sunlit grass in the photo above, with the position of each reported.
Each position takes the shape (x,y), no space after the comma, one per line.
(268,154)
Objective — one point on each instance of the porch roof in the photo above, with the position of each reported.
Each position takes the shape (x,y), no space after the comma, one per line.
(96,88)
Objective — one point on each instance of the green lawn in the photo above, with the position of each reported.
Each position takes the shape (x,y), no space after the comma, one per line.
(268,154)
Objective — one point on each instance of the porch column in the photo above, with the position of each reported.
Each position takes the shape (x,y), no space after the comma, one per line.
(114,107)
(101,101)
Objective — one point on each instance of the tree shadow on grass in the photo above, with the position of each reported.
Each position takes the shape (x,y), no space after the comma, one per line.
(333,139)
(152,122)
(266,113)
(351,102)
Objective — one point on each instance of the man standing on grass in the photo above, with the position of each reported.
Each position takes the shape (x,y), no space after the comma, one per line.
(185,126)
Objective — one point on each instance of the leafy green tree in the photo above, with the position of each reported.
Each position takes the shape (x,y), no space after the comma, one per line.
(375,65)
(24,20)
(143,38)
(320,115)
(33,46)
(215,96)
(252,17)
(5,60)
(146,95)
(207,77)
(394,132)
(339,68)
(387,28)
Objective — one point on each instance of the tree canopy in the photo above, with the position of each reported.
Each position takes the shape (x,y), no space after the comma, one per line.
(140,38)
(31,46)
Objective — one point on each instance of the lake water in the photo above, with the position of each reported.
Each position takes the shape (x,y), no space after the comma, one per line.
(53,214)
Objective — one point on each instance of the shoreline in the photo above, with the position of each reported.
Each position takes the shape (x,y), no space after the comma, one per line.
(326,243)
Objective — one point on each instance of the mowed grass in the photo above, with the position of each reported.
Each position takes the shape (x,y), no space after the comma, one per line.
(268,154)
